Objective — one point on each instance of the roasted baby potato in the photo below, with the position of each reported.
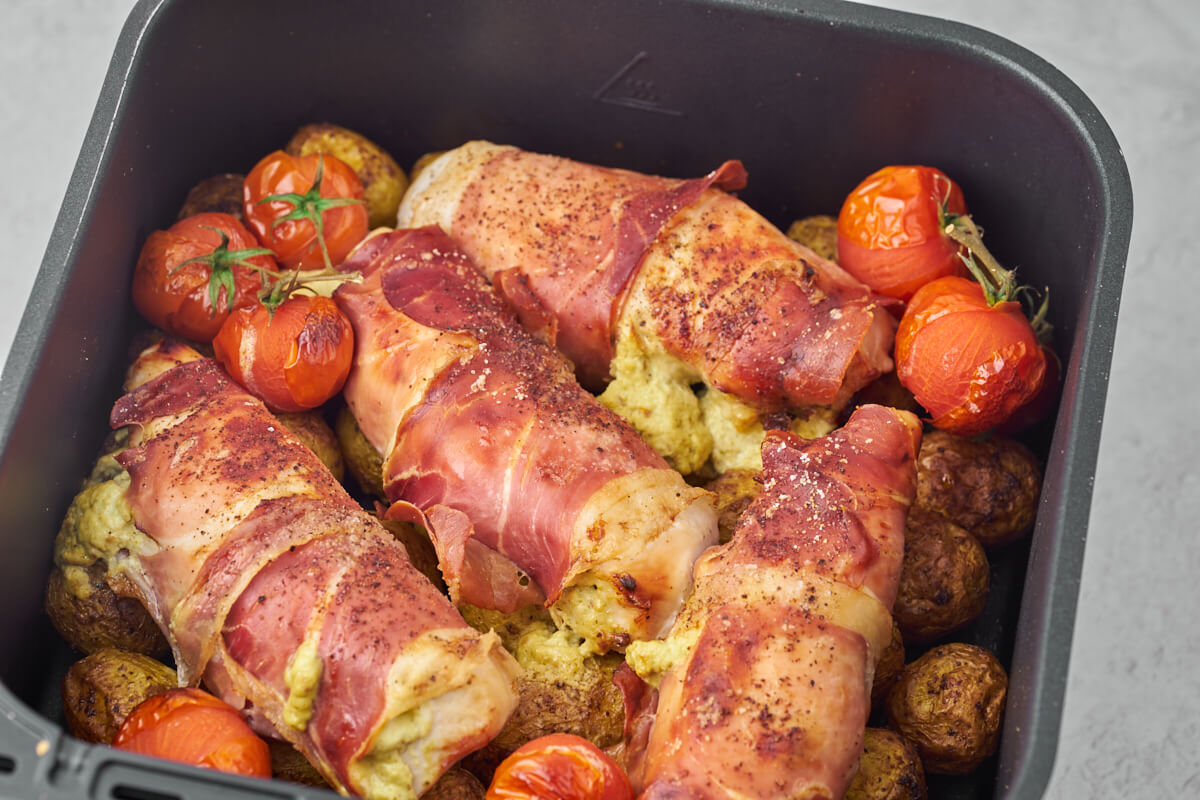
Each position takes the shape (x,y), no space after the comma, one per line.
(991,487)
(889,769)
(943,579)
(80,601)
(562,690)
(456,784)
(818,234)
(423,162)
(888,669)
(384,182)
(509,627)
(220,193)
(85,603)
(734,490)
(363,461)
(311,429)
(289,764)
(886,390)
(100,690)
(97,618)
(949,703)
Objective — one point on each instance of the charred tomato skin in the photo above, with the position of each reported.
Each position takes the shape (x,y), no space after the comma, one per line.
(969,364)
(174,296)
(889,232)
(295,241)
(194,727)
(1041,405)
(293,359)
(561,766)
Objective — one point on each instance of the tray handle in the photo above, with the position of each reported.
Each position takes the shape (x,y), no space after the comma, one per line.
(38,760)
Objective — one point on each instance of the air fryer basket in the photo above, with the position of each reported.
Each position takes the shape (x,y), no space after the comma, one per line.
(811,96)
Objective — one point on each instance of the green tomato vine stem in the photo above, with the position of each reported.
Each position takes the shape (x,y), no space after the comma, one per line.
(999,284)
(311,206)
(220,262)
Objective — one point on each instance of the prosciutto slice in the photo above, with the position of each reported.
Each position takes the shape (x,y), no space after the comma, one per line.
(529,488)
(749,311)
(764,685)
(289,600)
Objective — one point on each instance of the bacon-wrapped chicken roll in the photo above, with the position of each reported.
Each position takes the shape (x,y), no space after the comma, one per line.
(660,283)
(764,684)
(530,488)
(289,600)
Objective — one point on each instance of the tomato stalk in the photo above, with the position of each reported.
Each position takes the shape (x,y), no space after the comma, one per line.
(311,206)
(999,284)
(325,282)
(318,282)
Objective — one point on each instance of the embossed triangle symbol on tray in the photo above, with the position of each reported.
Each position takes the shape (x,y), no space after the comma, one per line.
(630,87)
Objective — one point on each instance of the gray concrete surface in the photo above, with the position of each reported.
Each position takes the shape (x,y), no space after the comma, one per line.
(1131,725)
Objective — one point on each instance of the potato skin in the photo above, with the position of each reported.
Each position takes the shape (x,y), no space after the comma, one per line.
(949,703)
(944,578)
(557,695)
(734,490)
(886,390)
(509,627)
(311,429)
(220,193)
(587,705)
(103,619)
(384,182)
(289,764)
(101,689)
(889,769)
(363,462)
(888,669)
(424,161)
(991,487)
(817,233)
(455,784)
(100,613)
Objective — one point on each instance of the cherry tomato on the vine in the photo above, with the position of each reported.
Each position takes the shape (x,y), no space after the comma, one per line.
(1038,407)
(194,727)
(559,767)
(890,233)
(303,223)
(969,364)
(293,359)
(190,276)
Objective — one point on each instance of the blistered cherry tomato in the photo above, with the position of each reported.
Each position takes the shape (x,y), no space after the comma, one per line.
(192,726)
(187,275)
(559,767)
(282,203)
(970,365)
(1038,407)
(890,233)
(292,360)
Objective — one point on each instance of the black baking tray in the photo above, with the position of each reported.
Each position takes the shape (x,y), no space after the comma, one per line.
(811,96)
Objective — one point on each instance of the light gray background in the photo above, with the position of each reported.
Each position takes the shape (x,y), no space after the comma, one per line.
(1131,725)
